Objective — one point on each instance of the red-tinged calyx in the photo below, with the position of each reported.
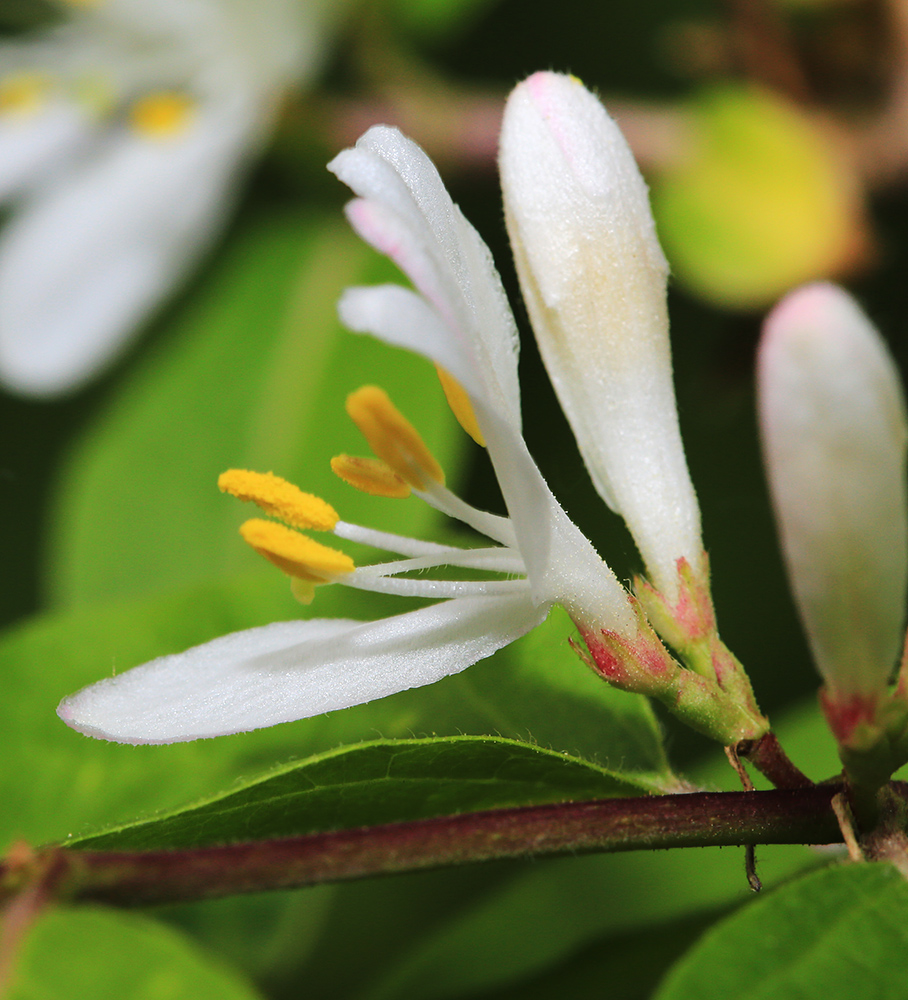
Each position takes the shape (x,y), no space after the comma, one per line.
(688,625)
(641,663)
(872,733)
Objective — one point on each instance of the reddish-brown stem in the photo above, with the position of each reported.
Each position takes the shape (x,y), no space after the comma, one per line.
(768,757)
(130,878)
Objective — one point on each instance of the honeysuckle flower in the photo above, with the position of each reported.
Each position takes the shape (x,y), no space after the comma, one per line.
(458,317)
(833,424)
(123,131)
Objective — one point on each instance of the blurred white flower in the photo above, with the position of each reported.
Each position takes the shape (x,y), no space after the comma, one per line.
(123,131)
(833,424)
(458,317)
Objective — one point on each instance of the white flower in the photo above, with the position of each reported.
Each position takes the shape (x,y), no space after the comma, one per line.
(122,134)
(833,423)
(459,318)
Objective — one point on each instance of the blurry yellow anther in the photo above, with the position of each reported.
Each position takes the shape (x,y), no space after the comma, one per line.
(392,437)
(371,475)
(162,114)
(460,404)
(297,555)
(280,499)
(23,93)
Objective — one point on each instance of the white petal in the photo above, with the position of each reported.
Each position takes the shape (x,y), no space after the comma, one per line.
(293,670)
(33,145)
(832,417)
(406,213)
(87,259)
(400,317)
(593,277)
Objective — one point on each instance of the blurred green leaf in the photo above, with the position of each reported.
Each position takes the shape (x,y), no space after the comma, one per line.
(107,955)
(386,781)
(436,18)
(759,201)
(841,932)
(631,964)
(252,373)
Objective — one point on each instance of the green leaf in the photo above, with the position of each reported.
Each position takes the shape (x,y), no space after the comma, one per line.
(104,955)
(841,932)
(385,781)
(251,372)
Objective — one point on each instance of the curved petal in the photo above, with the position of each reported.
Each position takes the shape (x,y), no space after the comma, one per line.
(88,257)
(405,212)
(293,670)
(34,145)
(594,280)
(832,418)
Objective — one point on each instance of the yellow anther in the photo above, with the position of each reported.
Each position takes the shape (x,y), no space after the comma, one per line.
(162,114)
(460,404)
(280,499)
(23,93)
(297,555)
(392,437)
(371,475)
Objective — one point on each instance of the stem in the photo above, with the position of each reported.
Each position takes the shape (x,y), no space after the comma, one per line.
(768,757)
(133,878)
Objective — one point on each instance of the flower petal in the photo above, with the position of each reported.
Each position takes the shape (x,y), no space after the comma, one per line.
(293,670)
(405,212)
(86,260)
(33,145)
(832,417)
(593,277)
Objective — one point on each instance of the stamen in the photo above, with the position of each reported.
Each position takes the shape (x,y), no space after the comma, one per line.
(392,437)
(371,475)
(401,544)
(162,114)
(280,499)
(492,560)
(460,405)
(434,589)
(297,555)
(23,93)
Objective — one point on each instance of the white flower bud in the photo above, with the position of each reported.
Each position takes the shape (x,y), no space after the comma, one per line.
(832,417)
(593,276)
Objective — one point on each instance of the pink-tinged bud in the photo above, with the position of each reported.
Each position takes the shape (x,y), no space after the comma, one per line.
(594,277)
(832,419)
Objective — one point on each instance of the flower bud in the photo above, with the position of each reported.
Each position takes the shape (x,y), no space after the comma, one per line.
(832,418)
(593,276)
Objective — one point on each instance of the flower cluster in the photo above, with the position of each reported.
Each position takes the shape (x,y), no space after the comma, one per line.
(123,130)
(594,279)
